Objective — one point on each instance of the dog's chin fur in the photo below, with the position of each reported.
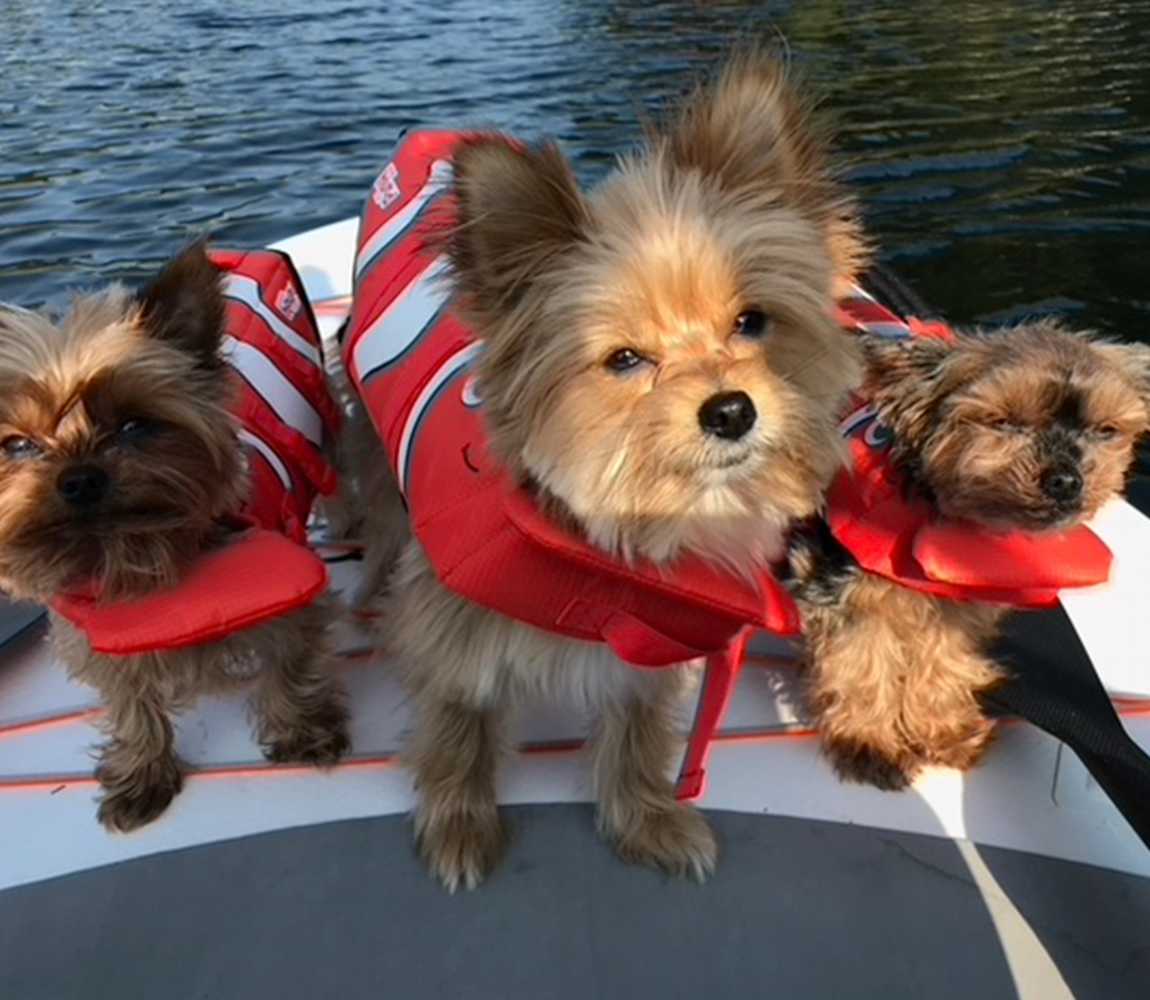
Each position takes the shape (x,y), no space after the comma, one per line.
(661,259)
(70,387)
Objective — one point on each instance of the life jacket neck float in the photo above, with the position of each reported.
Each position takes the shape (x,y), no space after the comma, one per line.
(286,418)
(875,514)
(411,358)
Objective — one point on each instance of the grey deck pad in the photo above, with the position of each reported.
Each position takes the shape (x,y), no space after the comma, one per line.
(343,910)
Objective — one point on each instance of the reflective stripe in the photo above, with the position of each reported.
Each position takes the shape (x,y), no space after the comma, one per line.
(247,290)
(857,416)
(893,330)
(460,359)
(265,449)
(265,378)
(437,181)
(403,321)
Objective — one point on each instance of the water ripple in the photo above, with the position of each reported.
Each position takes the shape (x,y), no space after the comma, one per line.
(1002,148)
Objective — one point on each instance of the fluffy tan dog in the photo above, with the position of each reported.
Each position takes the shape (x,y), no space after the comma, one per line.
(661,368)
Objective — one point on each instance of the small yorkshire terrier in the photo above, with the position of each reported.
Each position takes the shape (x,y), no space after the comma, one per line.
(662,369)
(1031,429)
(119,464)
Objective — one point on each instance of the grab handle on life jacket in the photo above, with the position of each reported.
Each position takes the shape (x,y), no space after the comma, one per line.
(718,685)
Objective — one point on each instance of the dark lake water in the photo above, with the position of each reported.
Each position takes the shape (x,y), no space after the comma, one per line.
(1002,148)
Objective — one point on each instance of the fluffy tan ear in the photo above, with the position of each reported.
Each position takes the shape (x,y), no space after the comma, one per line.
(518,207)
(754,130)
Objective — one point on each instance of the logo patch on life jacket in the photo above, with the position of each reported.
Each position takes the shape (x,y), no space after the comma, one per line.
(863,422)
(385,190)
(288,303)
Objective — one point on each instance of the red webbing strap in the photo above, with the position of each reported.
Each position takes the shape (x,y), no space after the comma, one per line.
(718,685)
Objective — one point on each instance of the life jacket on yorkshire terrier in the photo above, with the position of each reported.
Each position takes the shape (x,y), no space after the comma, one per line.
(161,454)
(490,534)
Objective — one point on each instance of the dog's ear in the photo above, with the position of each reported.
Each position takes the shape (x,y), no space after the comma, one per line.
(893,361)
(905,379)
(1133,360)
(518,208)
(184,305)
(755,132)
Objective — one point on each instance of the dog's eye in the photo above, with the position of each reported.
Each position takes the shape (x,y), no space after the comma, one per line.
(623,360)
(1106,430)
(1004,424)
(17,448)
(752,323)
(134,428)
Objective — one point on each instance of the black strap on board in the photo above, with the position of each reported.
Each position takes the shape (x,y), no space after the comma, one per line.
(1053,684)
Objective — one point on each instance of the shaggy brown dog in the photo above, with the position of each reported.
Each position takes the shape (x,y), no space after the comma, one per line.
(662,369)
(118,458)
(1033,429)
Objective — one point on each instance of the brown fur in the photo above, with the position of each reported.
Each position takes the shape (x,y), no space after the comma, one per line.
(135,388)
(895,675)
(661,259)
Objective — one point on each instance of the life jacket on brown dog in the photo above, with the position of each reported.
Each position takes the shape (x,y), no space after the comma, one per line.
(894,533)
(286,417)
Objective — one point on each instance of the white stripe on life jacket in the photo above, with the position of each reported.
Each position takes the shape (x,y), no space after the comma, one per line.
(246,290)
(265,378)
(405,318)
(265,449)
(437,180)
(860,294)
(460,359)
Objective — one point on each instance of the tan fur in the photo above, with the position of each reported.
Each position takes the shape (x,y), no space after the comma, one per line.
(896,676)
(660,259)
(134,387)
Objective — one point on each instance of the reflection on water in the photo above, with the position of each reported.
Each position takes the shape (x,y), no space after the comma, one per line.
(1002,148)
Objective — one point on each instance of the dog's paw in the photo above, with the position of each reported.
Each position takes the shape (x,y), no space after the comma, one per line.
(865,765)
(320,740)
(460,848)
(133,800)
(676,840)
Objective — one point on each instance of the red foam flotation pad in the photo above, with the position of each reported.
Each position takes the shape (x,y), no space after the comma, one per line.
(257,577)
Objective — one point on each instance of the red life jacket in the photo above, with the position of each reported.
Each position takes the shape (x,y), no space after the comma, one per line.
(286,417)
(410,358)
(892,533)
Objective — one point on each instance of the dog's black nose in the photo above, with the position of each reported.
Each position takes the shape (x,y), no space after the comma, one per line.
(82,485)
(727,415)
(1062,485)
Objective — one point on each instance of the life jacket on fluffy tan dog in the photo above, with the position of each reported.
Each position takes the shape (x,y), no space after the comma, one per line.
(895,534)
(409,357)
(285,416)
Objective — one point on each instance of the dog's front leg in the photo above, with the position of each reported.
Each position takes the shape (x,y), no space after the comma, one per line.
(455,753)
(632,754)
(298,703)
(138,768)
